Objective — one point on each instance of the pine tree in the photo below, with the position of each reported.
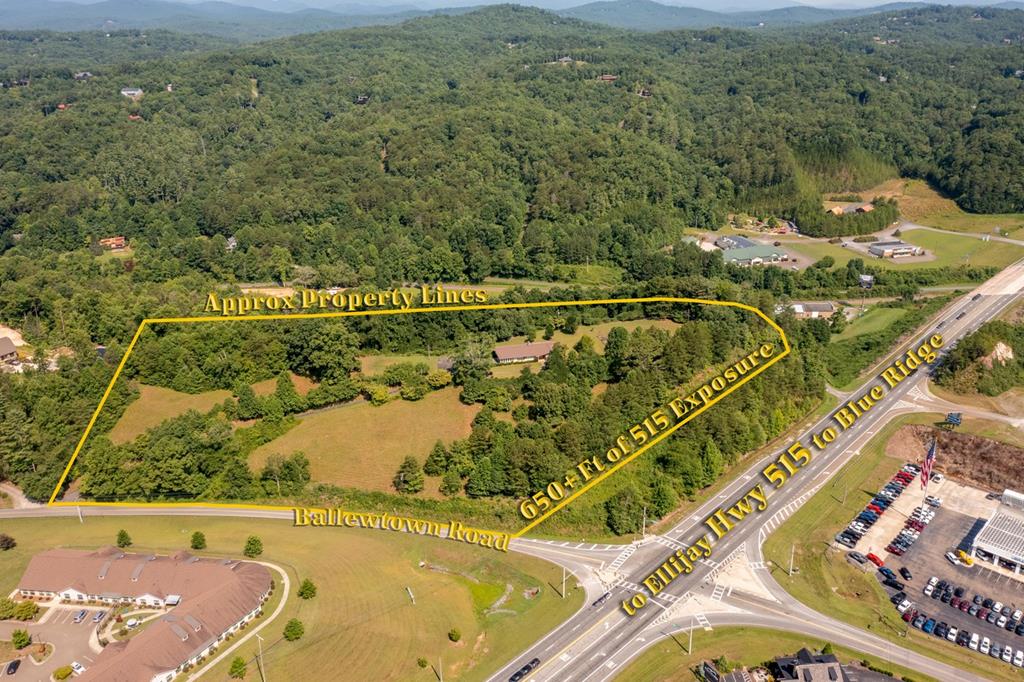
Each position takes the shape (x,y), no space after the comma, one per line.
(198,540)
(451,483)
(291,401)
(248,404)
(123,539)
(409,479)
(307,590)
(711,461)
(437,460)
(238,668)
(481,479)
(294,629)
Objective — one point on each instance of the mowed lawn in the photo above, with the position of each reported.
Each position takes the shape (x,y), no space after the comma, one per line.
(360,446)
(372,365)
(875,319)
(156,405)
(827,582)
(667,660)
(362,624)
(948,249)
(921,204)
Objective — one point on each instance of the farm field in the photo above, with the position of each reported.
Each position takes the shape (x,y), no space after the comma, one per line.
(667,661)
(360,445)
(156,405)
(921,204)
(376,364)
(873,320)
(362,607)
(826,581)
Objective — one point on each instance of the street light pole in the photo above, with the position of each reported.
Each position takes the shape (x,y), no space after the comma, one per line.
(563,582)
(792,553)
(263,669)
(689,649)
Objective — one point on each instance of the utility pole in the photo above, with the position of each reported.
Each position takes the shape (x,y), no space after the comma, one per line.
(792,553)
(80,519)
(440,670)
(563,582)
(263,670)
(643,528)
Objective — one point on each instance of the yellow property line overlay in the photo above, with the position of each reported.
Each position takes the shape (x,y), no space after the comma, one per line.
(494,306)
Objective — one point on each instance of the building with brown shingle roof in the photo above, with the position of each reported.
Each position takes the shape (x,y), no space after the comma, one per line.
(523,352)
(207,600)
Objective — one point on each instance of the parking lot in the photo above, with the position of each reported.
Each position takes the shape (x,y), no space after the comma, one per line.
(926,558)
(70,641)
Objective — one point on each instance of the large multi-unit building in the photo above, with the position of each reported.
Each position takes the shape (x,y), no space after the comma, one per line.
(894,249)
(205,600)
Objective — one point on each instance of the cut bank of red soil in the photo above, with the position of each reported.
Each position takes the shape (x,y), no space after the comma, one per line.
(980,462)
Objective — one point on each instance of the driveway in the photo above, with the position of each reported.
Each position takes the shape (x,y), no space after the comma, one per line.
(69,639)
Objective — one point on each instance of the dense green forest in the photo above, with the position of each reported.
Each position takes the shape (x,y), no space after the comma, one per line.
(989,361)
(475,156)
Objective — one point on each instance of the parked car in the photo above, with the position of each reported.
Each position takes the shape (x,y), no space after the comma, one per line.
(887,572)
(857,556)
(77,667)
(1007,654)
(903,606)
(952,559)
(99,616)
(929,626)
(905,572)
(13,666)
(975,641)
(963,637)
(919,621)
(928,590)
(985,645)
(933,501)
(996,652)
(1018,658)
(846,541)
(80,616)
(952,634)
(909,615)
(875,560)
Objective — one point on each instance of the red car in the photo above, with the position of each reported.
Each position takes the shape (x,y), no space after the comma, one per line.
(875,509)
(909,614)
(875,560)
(906,476)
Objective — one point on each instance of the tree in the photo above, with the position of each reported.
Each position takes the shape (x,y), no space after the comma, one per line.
(454,634)
(624,511)
(409,479)
(307,590)
(26,610)
(838,321)
(253,546)
(198,540)
(422,662)
(123,539)
(238,668)
(711,461)
(827,649)
(63,672)
(437,460)
(294,629)
(6,542)
(20,639)
(451,483)
(438,378)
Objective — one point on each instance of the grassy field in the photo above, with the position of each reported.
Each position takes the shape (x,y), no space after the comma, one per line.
(920,203)
(1009,403)
(667,661)
(359,445)
(871,321)
(949,249)
(362,624)
(829,583)
(376,364)
(156,405)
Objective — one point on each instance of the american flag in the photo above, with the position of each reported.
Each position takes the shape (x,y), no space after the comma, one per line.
(926,468)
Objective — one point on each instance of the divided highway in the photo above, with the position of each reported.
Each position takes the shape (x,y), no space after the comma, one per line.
(598,640)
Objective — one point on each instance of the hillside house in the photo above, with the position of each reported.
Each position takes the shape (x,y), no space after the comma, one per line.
(866,281)
(114,243)
(206,600)
(809,310)
(644,92)
(565,60)
(607,78)
(362,99)
(8,353)
(523,352)
(865,207)
(83,76)
(132,93)
(734,242)
(755,255)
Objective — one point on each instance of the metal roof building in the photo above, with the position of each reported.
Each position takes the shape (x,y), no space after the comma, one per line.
(1001,539)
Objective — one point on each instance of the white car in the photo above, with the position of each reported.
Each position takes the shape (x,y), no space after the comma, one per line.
(937,477)
(1008,654)
(933,581)
(928,589)
(1001,621)
(975,639)
(1017,615)
(986,644)
(77,667)
(951,558)
(904,605)
(951,635)
(1018,658)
